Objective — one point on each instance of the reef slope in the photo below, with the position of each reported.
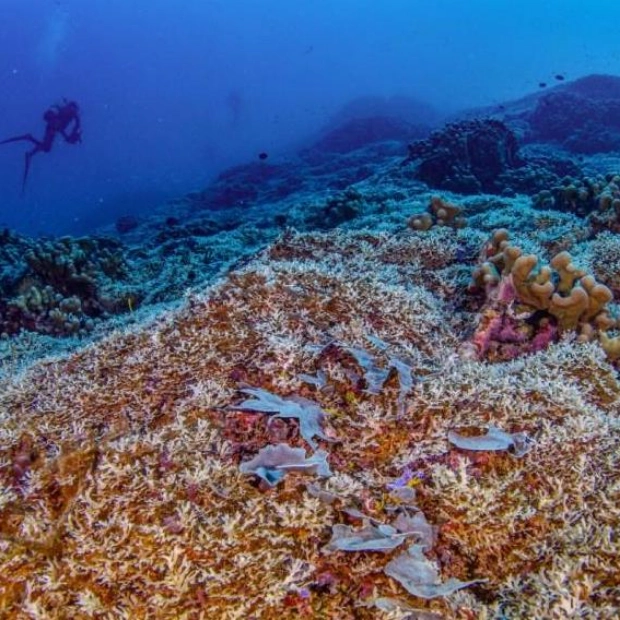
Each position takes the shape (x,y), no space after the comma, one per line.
(121,492)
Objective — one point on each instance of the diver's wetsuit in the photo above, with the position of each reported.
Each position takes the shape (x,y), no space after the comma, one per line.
(59,119)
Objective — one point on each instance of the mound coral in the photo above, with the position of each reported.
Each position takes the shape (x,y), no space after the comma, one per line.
(466,157)
(581,124)
(528,305)
(439,213)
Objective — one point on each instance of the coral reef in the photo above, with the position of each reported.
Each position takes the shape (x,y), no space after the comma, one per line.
(126,223)
(59,287)
(359,132)
(121,483)
(606,216)
(580,117)
(341,208)
(398,107)
(69,287)
(582,196)
(304,405)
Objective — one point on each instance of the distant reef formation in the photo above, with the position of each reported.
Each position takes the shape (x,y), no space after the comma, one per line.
(576,122)
(581,116)
(484,156)
(467,157)
(401,107)
(487,149)
(359,132)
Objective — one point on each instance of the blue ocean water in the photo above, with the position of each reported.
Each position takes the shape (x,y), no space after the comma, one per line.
(235,231)
(173,93)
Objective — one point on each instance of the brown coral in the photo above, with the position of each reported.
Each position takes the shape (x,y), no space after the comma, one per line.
(439,213)
(575,300)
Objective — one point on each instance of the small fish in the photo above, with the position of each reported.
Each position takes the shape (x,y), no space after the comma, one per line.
(542,84)
(263,156)
(559,77)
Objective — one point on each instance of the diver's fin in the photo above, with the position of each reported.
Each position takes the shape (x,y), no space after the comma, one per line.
(26,170)
(26,137)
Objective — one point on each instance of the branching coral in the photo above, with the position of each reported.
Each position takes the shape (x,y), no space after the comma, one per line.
(120,484)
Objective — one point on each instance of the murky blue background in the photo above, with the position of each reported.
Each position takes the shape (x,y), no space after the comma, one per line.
(174,91)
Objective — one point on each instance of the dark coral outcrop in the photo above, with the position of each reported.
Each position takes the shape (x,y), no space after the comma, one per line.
(466,157)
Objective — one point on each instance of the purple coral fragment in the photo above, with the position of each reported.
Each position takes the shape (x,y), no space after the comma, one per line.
(309,414)
(495,439)
(273,462)
(420,577)
(369,538)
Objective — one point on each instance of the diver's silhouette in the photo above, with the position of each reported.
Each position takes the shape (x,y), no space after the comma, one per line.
(58,119)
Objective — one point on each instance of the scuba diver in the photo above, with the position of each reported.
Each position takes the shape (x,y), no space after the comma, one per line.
(63,119)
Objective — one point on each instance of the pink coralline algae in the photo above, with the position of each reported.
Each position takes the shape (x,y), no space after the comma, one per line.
(503,335)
